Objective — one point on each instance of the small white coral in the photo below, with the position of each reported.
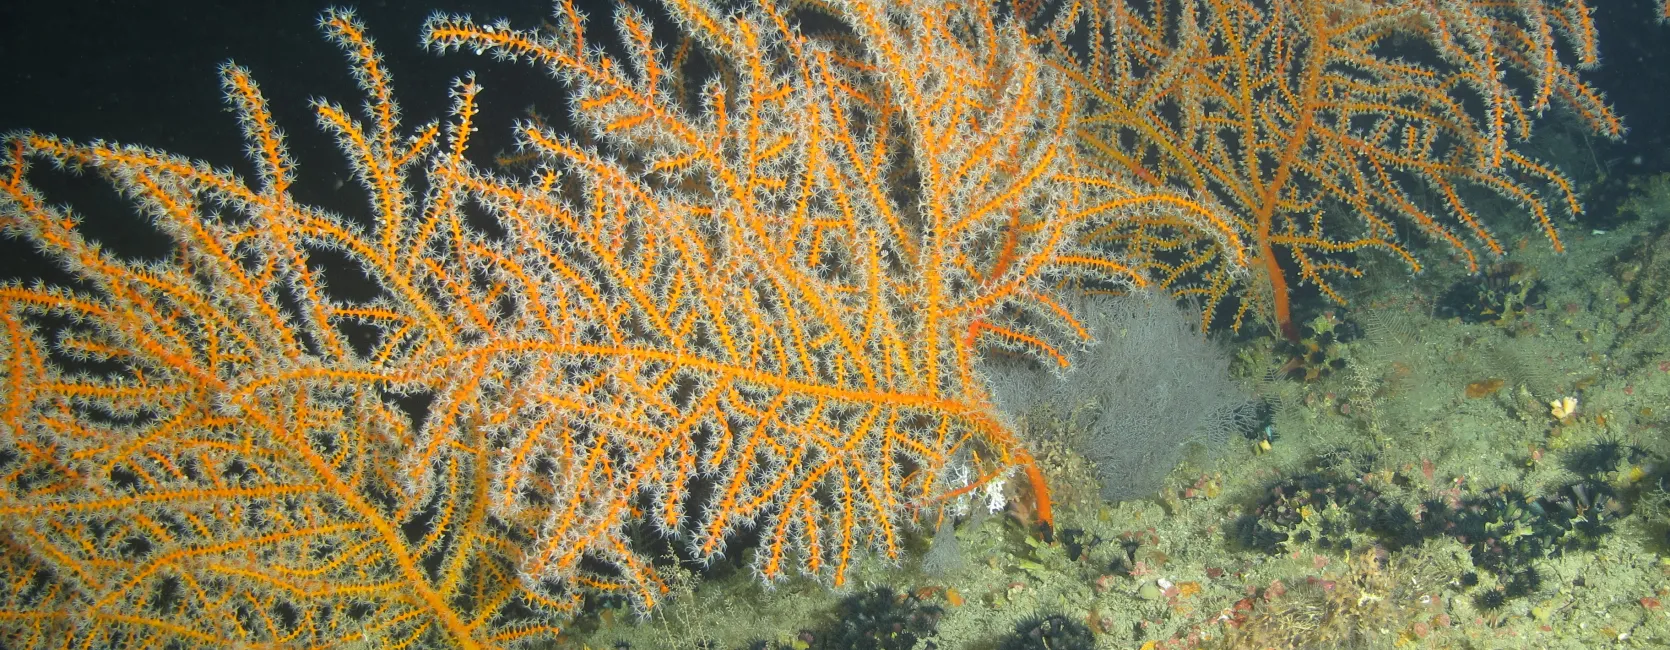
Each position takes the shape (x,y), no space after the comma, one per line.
(961,476)
(995,498)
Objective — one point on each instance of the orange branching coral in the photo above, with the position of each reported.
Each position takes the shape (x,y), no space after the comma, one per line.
(758,302)
(1325,127)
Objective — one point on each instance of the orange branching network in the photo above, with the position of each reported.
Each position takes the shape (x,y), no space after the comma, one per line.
(1325,128)
(748,292)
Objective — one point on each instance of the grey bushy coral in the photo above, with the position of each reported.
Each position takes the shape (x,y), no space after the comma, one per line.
(1133,402)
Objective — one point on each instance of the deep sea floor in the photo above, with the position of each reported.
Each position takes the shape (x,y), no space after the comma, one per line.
(1454,461)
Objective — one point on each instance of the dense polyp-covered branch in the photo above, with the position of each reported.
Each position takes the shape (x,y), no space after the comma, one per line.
(776,292)
(1318,124)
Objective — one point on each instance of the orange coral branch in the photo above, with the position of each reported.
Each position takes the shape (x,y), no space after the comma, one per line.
(1298,115)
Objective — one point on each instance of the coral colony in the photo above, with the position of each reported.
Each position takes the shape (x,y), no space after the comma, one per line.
(745,296)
